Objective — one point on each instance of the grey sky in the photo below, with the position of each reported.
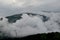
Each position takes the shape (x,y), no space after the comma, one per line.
(9,7)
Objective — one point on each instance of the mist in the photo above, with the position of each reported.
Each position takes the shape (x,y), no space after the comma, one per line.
(30,25)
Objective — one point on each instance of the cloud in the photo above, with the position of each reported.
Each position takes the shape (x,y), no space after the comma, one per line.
(30,25)
(9,7)
(23,27)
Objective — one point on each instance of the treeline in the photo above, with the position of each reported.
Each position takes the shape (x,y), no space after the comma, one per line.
(49,36)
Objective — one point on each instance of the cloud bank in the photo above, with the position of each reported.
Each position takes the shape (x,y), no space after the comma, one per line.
(30,25)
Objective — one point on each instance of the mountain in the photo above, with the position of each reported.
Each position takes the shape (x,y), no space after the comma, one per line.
(14,18)
(44,36)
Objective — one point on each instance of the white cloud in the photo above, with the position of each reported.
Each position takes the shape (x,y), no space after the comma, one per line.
(30,25)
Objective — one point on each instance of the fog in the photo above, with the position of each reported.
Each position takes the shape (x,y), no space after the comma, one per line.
(30,25)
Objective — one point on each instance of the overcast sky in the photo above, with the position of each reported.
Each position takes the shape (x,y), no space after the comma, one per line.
(9,7)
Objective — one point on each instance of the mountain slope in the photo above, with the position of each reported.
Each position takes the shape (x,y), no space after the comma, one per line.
(49,36)
(14,18)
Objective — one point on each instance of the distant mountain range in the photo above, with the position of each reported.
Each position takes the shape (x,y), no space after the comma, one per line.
(14,18)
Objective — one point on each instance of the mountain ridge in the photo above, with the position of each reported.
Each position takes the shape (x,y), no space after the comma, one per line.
(13,18)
